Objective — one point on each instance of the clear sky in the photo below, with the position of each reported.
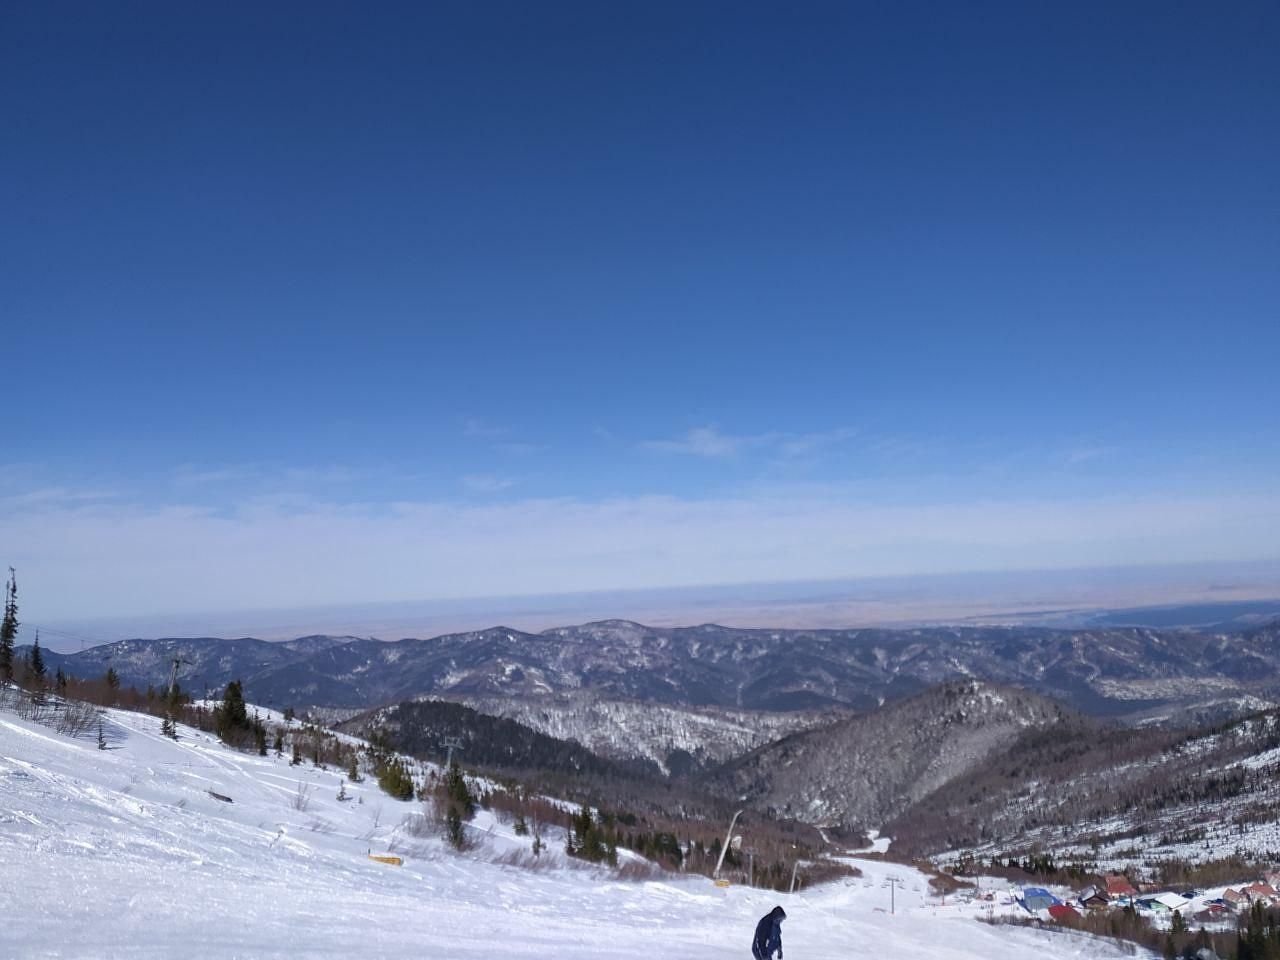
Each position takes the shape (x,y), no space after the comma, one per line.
(318,303)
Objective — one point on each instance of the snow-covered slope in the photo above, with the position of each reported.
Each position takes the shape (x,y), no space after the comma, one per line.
(125,853)
(658,732)
(864,770)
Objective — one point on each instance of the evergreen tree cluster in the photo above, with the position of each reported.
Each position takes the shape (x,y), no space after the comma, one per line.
(594,839)
(394,778)
(457,804)
(1259,936)
(234,726)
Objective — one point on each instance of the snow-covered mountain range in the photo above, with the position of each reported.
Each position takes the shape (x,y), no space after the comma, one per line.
(1123,672)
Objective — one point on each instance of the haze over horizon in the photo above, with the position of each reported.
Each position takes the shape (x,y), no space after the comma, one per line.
(1181,594)
(309,307)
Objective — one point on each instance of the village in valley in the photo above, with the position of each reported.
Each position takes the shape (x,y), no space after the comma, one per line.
(1179,919)
(1218,907)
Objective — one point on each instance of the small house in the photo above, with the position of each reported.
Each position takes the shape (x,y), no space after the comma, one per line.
(1234,898)
(1263,892)
(1213,913)
(1094,898)
(1169,902)
(1060,912)
(1118,885)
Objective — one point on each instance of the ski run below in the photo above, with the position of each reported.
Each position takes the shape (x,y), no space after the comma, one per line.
(125,852)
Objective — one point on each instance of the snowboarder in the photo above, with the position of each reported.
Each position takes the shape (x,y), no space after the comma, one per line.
(769,935)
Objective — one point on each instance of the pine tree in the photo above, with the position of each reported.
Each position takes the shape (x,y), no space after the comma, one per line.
(38,669)
(232,717)
(60,682)
(521,828)
(102,737)
(113,679)
(259,735)
(455,787)
(9,627)
(353,768)
(453,828)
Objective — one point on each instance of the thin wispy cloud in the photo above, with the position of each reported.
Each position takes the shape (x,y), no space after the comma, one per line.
(55,495)
(795,446)
(190,475)
(514,449)
(487,483)
(475,427)
(712,443)
(703,442)
(1080,455)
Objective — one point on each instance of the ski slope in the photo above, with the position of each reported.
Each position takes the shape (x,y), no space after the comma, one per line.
(124,853)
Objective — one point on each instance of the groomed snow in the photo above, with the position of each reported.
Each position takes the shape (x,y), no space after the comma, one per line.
(124,853)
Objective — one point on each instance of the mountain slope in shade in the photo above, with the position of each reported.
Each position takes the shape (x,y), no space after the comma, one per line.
(491,743)
(676,739)
(866,769)
(1100,793)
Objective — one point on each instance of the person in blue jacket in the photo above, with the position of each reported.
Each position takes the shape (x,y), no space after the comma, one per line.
(768,936)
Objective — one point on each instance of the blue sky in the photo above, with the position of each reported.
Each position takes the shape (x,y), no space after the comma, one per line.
(318,302)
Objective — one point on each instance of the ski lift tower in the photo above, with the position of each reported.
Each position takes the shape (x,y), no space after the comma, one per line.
(451,744)
(173,674)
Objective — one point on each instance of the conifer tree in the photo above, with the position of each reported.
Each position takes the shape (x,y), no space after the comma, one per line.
(38,669)
(113,679)
(231,719)
(455,786)
(60,681)
(9,627)
(453,828)
(395,779)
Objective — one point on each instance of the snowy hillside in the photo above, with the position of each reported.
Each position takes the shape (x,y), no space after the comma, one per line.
(863,770)
(658,732)
(127,852)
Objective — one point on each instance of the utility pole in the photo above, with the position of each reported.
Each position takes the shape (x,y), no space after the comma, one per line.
(751,866)
(794,867)
(452,744)
(892,890)
(728,839)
